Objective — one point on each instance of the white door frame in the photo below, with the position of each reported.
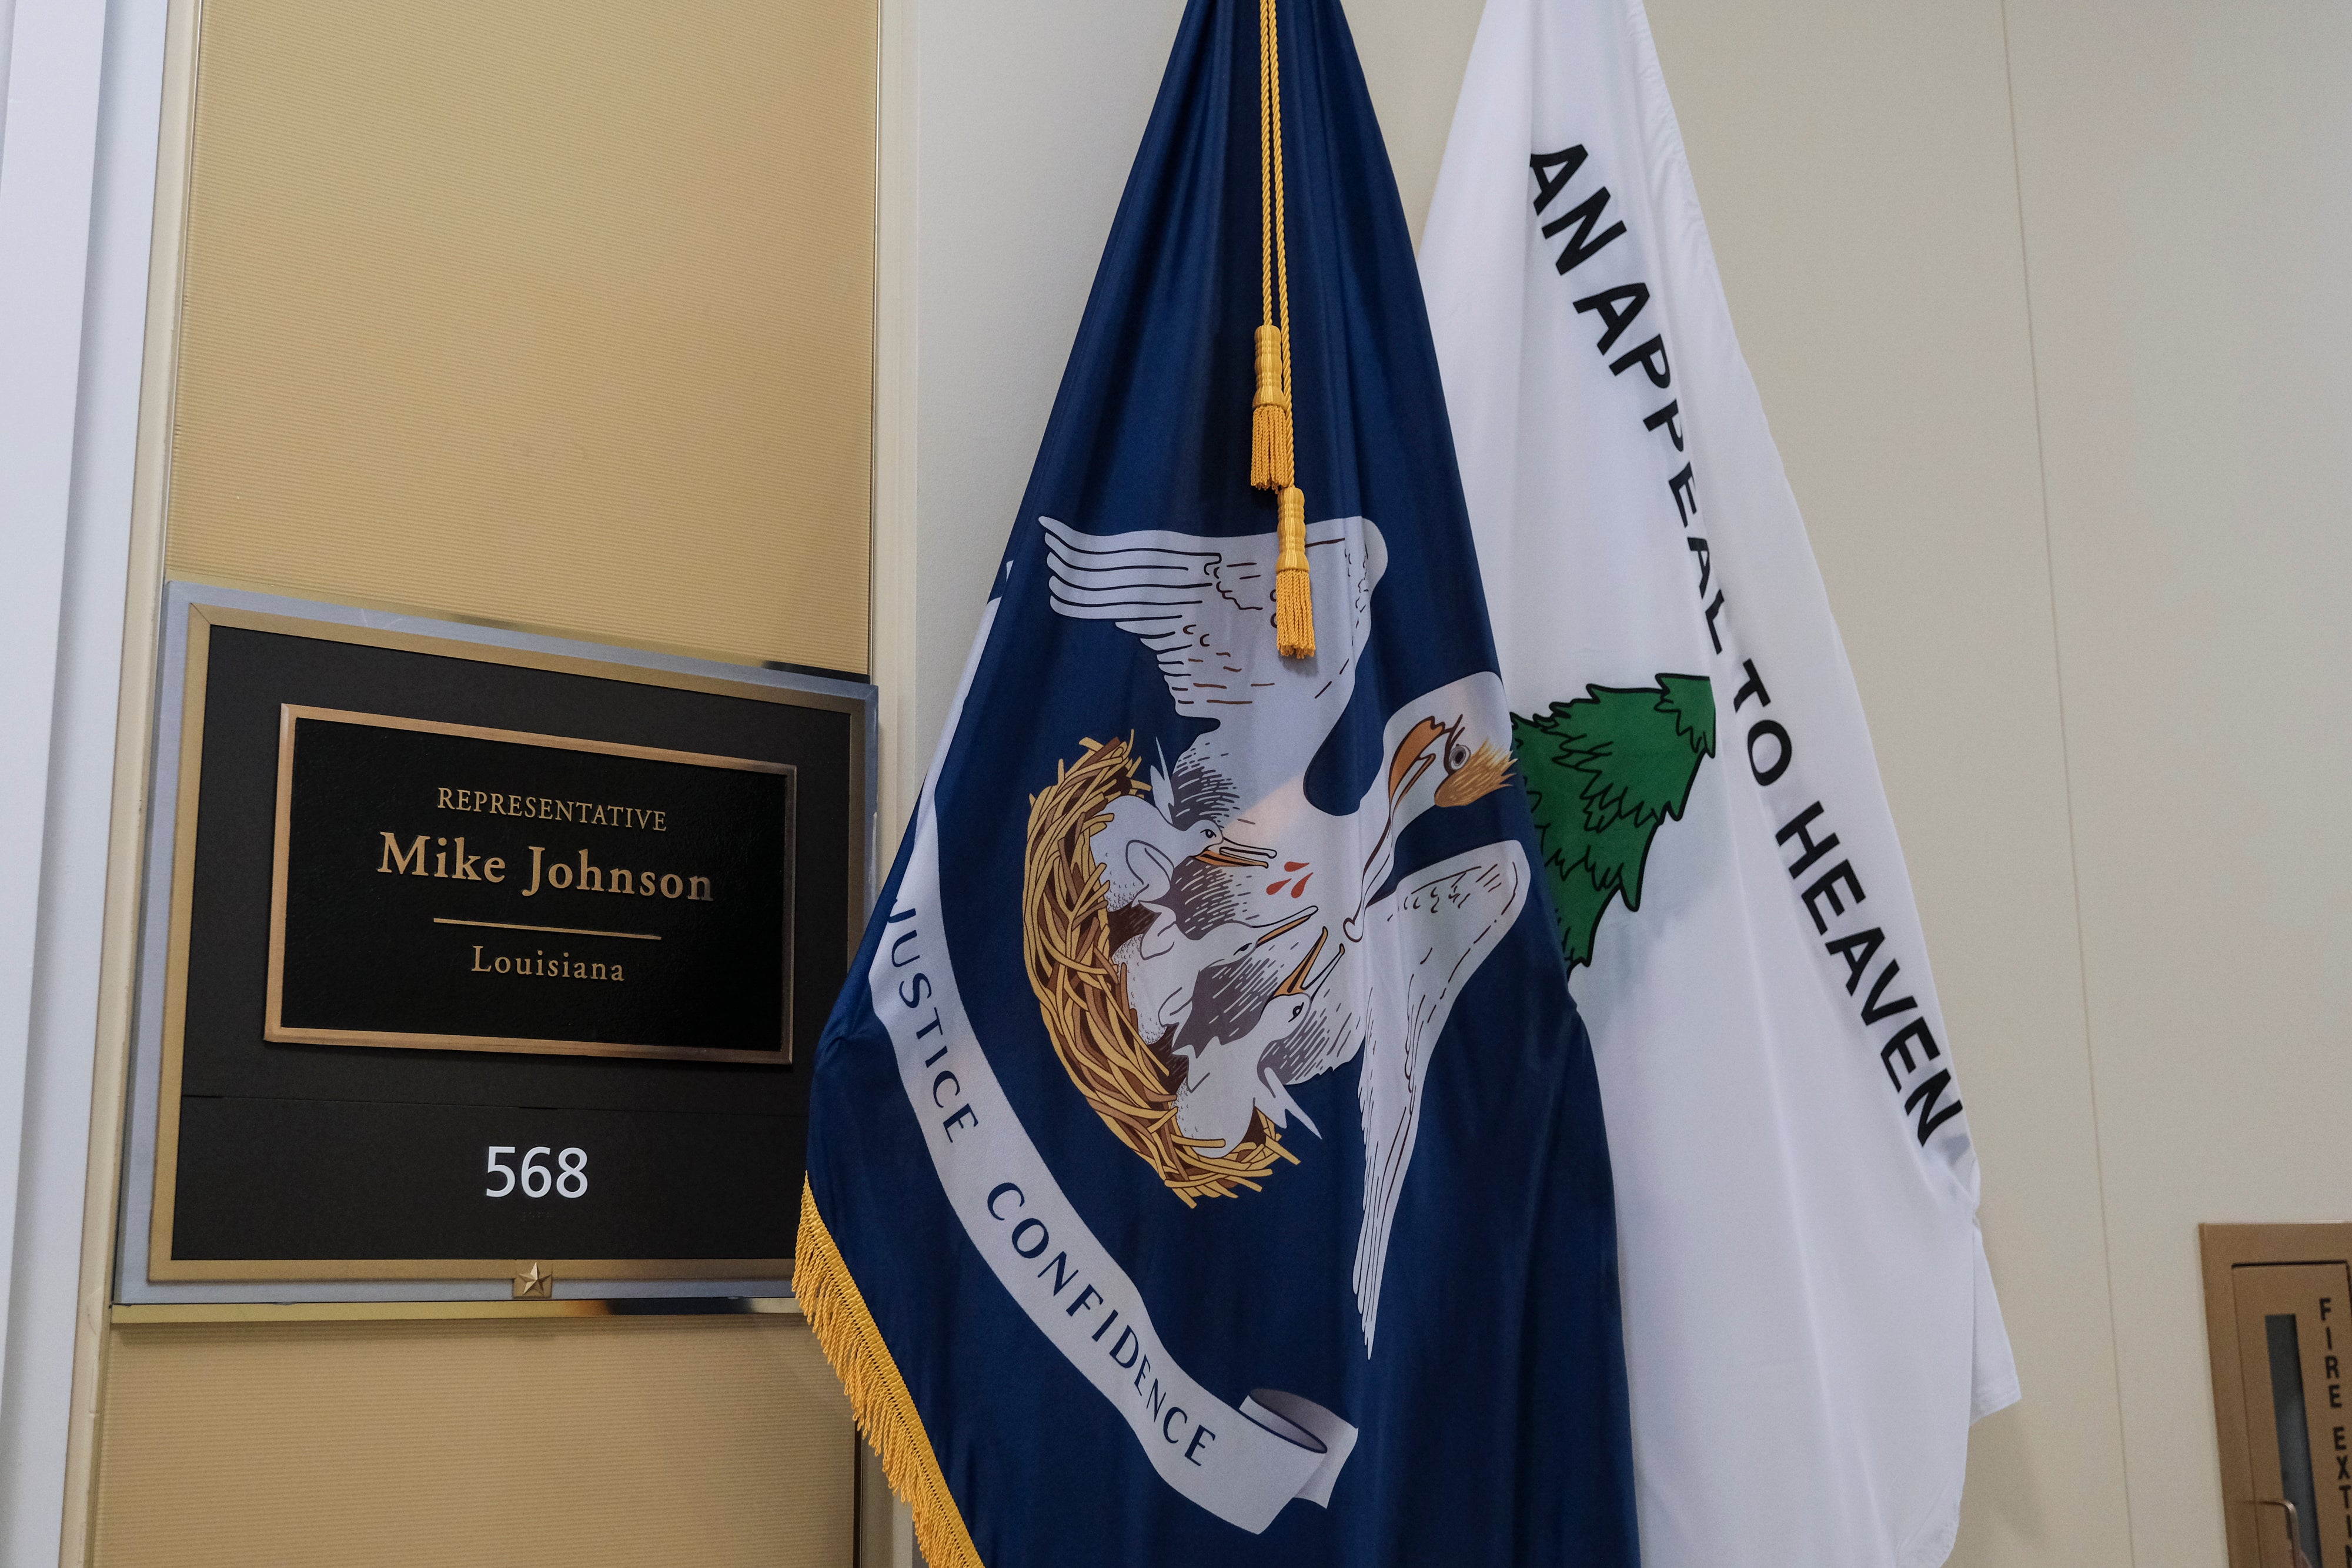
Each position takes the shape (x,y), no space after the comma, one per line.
(77,161)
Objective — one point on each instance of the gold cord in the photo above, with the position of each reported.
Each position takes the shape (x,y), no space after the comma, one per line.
(1269,46)
(1273,464)
(1266,143)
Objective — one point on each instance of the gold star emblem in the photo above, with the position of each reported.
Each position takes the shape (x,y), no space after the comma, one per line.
(533,1282)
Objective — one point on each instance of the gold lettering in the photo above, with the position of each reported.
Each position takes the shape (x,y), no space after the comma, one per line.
(466,864)
(395,862)
(592,878)
(697,889)
(535,852)
(559,876)
(646,884)
(616,971)
(494,870)
(540,808)
(596,971)
(671,886)
(480,969)
(441,860)
(621,883)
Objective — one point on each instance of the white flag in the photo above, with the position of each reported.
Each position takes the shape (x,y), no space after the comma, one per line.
(1809,1324)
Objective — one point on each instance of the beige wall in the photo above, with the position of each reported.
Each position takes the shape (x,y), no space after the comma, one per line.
(2185,174)
(547,313)
(579,1441)
(2047,302)
(538,315)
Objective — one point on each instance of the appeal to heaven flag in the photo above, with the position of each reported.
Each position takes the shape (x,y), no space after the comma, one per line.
(1809,1324)
(1206,1162)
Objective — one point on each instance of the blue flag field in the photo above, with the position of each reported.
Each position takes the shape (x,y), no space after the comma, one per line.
(1206,1162)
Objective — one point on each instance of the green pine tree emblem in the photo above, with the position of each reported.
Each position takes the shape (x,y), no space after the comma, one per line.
(1603,772)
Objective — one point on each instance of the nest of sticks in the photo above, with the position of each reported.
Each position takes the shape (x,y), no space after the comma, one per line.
(1066,939)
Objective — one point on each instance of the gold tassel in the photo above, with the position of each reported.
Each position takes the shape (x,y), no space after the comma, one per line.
(878,1400)
(1294,601)
(1271,465)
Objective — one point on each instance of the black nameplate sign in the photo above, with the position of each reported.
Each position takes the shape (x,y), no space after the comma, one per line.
(448,885)
(486,961)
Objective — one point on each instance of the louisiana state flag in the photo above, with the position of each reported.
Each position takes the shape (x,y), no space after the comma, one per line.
(1206,1162)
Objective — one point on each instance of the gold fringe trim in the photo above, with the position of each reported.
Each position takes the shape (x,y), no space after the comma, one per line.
(878,1400)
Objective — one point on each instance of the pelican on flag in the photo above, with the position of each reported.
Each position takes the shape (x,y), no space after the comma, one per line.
(1206,1161)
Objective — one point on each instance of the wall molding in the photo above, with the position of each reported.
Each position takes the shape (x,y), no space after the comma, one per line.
(897,321)
(48,159)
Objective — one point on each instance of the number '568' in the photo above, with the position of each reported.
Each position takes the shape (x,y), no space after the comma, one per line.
(569,1179)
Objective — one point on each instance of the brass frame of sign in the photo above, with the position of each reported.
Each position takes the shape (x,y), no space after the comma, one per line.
(201,618)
